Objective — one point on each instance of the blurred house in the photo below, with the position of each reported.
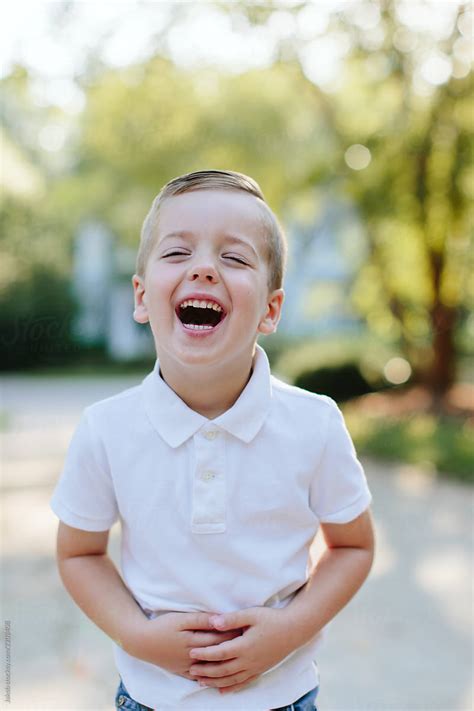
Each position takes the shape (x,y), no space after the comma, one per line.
(102,286)
(322,261)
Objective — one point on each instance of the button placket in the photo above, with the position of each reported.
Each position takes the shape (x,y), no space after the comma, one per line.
(208,506)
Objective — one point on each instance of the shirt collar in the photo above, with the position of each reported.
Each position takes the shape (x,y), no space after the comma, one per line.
(175,422)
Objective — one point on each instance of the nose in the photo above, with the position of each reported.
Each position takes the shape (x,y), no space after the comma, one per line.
(203,272)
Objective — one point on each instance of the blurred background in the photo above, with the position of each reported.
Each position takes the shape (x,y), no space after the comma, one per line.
(356,118)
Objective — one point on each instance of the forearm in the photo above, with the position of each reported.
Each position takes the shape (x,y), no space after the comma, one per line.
(336,578)
(96,586)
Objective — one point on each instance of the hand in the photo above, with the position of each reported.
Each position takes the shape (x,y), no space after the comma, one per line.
(167,640)
(232,665)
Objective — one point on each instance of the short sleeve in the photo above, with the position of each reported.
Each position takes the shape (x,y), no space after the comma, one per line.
(339,491)
(84,496)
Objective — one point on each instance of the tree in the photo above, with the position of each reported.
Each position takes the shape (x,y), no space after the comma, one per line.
(415,201)
(144,125)
(415,195)
(149,122)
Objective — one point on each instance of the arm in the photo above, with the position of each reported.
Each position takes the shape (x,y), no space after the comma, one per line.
(335,579)
(92,580)
(94,583)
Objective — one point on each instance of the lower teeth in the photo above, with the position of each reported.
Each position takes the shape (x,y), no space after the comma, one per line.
(198,328)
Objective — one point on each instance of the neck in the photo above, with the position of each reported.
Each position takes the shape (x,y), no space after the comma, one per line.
(208,391)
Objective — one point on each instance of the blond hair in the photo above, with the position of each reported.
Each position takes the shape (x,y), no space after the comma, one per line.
(275,240)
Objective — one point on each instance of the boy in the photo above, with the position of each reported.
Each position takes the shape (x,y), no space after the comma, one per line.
(220,474)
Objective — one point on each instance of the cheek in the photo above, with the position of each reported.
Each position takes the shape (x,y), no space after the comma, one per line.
(245,285)
(163,281)
(246,300)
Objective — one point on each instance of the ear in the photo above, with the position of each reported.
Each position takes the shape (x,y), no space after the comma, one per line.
(269,321)
(140,313)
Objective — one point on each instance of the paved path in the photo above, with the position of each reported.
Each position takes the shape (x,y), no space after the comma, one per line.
(402,644)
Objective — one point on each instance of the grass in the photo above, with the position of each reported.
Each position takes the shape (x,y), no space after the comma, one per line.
(4,420)
(438,442)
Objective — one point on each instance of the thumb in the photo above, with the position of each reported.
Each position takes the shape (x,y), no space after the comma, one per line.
(233,620)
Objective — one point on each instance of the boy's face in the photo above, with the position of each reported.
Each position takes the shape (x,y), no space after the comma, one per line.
(210,247)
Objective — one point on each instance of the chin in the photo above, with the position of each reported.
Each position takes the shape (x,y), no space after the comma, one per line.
(195,355)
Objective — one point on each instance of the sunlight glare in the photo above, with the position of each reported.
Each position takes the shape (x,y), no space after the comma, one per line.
(357,157)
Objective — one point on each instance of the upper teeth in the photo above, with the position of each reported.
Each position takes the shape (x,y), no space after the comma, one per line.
(201,304)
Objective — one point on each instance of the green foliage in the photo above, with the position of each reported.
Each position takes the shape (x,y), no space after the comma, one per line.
(369,354)
(36,307)
(339,382)
(439,443)
(146,123)
(415,195)
(415,198)
(35,321)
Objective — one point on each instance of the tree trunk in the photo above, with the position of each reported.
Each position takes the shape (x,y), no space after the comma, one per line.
(441,373)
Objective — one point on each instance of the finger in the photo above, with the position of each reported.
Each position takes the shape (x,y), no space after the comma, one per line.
(219,652)
(225,681)
(220,633)
(237,687)
(186,675)
(207,669)
(197,621)
(206,639)
(231,620)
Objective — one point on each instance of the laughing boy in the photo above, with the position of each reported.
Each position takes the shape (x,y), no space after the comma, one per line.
(219,473)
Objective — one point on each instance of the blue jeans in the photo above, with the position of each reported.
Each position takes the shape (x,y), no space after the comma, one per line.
(123,700)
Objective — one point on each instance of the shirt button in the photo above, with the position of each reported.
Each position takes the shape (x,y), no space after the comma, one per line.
(207,476)
(210,434)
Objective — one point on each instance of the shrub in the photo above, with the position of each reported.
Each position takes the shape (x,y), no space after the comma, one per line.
(341,382)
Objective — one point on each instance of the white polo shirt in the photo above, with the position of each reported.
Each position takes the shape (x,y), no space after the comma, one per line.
(216,515)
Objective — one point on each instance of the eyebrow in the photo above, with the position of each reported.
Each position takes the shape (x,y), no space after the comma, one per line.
(227,237)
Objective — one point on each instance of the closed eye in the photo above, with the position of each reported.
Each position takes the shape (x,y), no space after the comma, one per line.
(236,259)
(186,254)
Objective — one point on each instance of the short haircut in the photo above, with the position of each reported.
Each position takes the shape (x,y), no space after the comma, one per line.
(275,240)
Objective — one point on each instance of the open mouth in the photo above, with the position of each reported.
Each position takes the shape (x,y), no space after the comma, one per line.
(200,315)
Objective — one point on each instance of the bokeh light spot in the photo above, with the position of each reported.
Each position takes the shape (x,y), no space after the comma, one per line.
(436,69)
(52,137)
(357,157)
(397,371)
